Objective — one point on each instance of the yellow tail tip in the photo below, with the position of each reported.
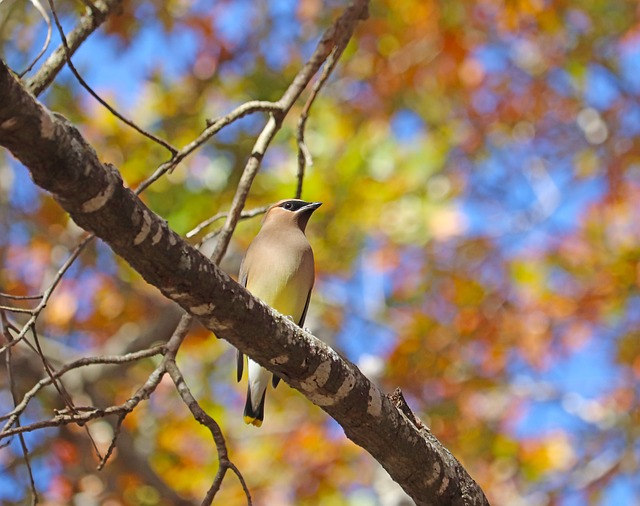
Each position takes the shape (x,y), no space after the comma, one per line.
(252,421)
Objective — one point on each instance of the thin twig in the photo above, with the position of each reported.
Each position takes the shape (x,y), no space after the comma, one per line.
(12,328)
(79,418)
(242,191)
(304,155)
(12,309)
(242,110)
(84,84)
(169,350)
(85,27)
(243,483)
(14,397)
(76,364)
(46,295)
(214,126)
(82,416)
(216,432)
(20,297)
(27,459)
(112,445)
(57,383)
(207,237)
(45,16)
(209,221)
(59,386)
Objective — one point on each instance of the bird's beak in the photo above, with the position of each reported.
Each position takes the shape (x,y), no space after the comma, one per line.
(310,207)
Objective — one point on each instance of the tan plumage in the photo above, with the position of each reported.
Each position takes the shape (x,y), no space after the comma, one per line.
(278,268)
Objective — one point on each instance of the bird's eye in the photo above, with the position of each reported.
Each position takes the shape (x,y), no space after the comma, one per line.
(288,205)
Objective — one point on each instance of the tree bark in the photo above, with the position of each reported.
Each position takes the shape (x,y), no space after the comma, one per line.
(63,163)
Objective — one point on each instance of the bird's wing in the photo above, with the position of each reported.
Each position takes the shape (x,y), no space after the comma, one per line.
(242,279)
(304,311)
(240,364)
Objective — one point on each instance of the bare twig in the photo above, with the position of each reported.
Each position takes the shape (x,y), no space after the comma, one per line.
(84,84)
(216,432)
(9,328)
(214,126)
(59,386)
(84,415)
(12,388)
(27,459)
(304,155)
(112,445)
(46,295)
(82,362)
(12,309)
(80,418)
(30,326)
(20,297)
(335,35)
(241,111)
(57,383)
(45,16)
(145,392)
(85,27)
(243,216)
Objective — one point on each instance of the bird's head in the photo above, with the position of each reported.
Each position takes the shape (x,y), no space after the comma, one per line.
(291,212)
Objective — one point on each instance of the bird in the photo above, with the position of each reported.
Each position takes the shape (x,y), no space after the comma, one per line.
(278,268)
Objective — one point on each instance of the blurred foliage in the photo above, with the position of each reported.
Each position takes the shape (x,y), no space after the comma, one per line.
(478,246)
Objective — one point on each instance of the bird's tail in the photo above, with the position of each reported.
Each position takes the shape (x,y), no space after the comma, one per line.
(254,416)
(256,391)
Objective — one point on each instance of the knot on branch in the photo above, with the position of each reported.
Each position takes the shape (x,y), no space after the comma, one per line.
(398,400)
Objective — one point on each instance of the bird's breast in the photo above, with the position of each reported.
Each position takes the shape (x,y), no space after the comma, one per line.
(282,277)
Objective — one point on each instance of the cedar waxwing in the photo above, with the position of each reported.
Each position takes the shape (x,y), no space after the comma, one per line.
(278,269)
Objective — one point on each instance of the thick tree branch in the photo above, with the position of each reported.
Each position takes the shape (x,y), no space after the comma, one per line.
(62,162)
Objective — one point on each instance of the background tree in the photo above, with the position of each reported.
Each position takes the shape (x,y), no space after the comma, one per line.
(477,246)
